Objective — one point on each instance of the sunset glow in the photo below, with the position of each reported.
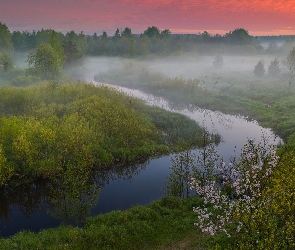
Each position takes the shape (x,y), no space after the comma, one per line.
(270,17)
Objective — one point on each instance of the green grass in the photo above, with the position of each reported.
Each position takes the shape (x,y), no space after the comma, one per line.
(161,225)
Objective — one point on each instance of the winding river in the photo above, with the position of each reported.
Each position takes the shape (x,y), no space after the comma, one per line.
(29,208)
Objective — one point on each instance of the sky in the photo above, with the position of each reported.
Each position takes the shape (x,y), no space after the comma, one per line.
(265,17)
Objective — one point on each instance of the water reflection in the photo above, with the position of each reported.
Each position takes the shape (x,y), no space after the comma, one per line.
(72,195)
(198,164)
(28,197)
(67,199)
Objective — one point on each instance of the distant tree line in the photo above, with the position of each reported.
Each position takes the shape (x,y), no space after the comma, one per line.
(51,51)
(124,42)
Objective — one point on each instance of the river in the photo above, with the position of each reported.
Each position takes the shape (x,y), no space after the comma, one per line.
(29,207)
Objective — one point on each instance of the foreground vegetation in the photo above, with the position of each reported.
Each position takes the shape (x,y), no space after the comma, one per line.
(48,128)
(162,223)
(169,223)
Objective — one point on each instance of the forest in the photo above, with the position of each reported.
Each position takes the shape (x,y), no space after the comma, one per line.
(57,126)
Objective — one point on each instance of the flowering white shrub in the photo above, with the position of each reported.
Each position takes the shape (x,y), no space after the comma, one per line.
(238,189)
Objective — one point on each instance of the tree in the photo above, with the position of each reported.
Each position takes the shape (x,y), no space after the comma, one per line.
(165,33)
(71,52)
(79,39)
(55,43)
(240,37)
(272,47)
(104,35)
(116,36)
(218,62)
(18,40)
(5,62)
(127,33)
(259,69)
(289,64)
(143,45)
(45,61)
(204,37)
(5,38)
(274,68)
(152,32)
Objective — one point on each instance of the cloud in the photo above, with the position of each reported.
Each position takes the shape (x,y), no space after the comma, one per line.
(139,14)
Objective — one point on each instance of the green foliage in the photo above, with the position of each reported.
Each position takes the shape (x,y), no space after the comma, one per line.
(24,80)
(152,32)
(126,33)
(274,68)
(6,62)
(79,39)
(71,52)
(166,33)
(9,76)
(240,36)
(73,194)
(124,43)
(5,38)
(259,69)
(177,183)
(289,64)
(271,226)
(57,46)
(272,48)
(47,129)
(13,101)
(5,170)
(46,61)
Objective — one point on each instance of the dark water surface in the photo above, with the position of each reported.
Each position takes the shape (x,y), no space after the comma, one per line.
(43,204)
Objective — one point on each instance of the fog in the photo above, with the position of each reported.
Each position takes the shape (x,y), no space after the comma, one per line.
(187,66)
(236,69)
(21,60)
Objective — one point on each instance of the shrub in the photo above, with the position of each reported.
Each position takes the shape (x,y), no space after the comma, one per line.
(259,69)
(25,80)
(274,68)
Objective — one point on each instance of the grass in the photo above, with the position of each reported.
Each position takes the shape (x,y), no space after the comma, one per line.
(164,224)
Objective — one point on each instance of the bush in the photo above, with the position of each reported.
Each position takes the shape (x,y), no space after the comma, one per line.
(259,69)
(24,80)
(274,68)
(5,62)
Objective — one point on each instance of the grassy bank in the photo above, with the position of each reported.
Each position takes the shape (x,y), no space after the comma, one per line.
(160,225)
(49,128)
(267,99)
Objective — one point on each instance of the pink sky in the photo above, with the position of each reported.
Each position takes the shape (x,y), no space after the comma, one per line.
(269,17)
